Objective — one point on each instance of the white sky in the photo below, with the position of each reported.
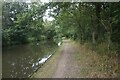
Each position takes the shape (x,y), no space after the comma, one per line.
(44,1)
(46,17)
(64,0)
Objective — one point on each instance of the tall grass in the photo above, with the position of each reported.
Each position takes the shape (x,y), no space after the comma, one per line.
(109,58)
(102,48)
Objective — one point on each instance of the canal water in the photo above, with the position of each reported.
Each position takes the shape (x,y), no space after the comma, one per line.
(22,61)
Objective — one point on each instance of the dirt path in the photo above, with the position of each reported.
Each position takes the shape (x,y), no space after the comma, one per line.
(62,64)
(66,65)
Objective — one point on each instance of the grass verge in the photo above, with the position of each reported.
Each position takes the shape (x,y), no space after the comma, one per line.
(93,65)
(48,69)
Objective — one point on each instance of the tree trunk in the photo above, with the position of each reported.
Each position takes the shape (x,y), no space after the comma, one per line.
(98,10)
(109,40)
(93,37)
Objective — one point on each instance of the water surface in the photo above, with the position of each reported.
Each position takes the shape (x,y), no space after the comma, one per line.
(17,61)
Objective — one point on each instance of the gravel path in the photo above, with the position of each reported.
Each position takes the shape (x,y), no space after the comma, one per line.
(66,65)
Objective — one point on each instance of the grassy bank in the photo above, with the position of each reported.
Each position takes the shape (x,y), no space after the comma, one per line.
(48,69)
(95,65)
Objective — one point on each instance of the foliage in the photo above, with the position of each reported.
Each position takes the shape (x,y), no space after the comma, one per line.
(89,22)
(23,23)
(96,23)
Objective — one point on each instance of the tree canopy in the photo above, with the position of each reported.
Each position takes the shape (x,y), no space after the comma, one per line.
(86,22)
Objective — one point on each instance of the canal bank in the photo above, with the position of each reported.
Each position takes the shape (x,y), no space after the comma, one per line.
(73,60)
(62,64)
(48,69)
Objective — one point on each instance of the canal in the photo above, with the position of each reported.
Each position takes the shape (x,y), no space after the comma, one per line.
(22,61)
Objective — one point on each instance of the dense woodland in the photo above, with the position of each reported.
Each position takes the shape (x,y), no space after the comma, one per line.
(97,24)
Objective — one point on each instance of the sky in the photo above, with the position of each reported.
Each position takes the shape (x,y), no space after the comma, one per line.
(44,1)
(46,17)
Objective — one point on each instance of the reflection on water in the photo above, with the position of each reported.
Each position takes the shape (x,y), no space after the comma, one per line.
(18,61)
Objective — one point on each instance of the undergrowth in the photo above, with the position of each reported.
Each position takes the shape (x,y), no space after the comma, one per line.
(108,58)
